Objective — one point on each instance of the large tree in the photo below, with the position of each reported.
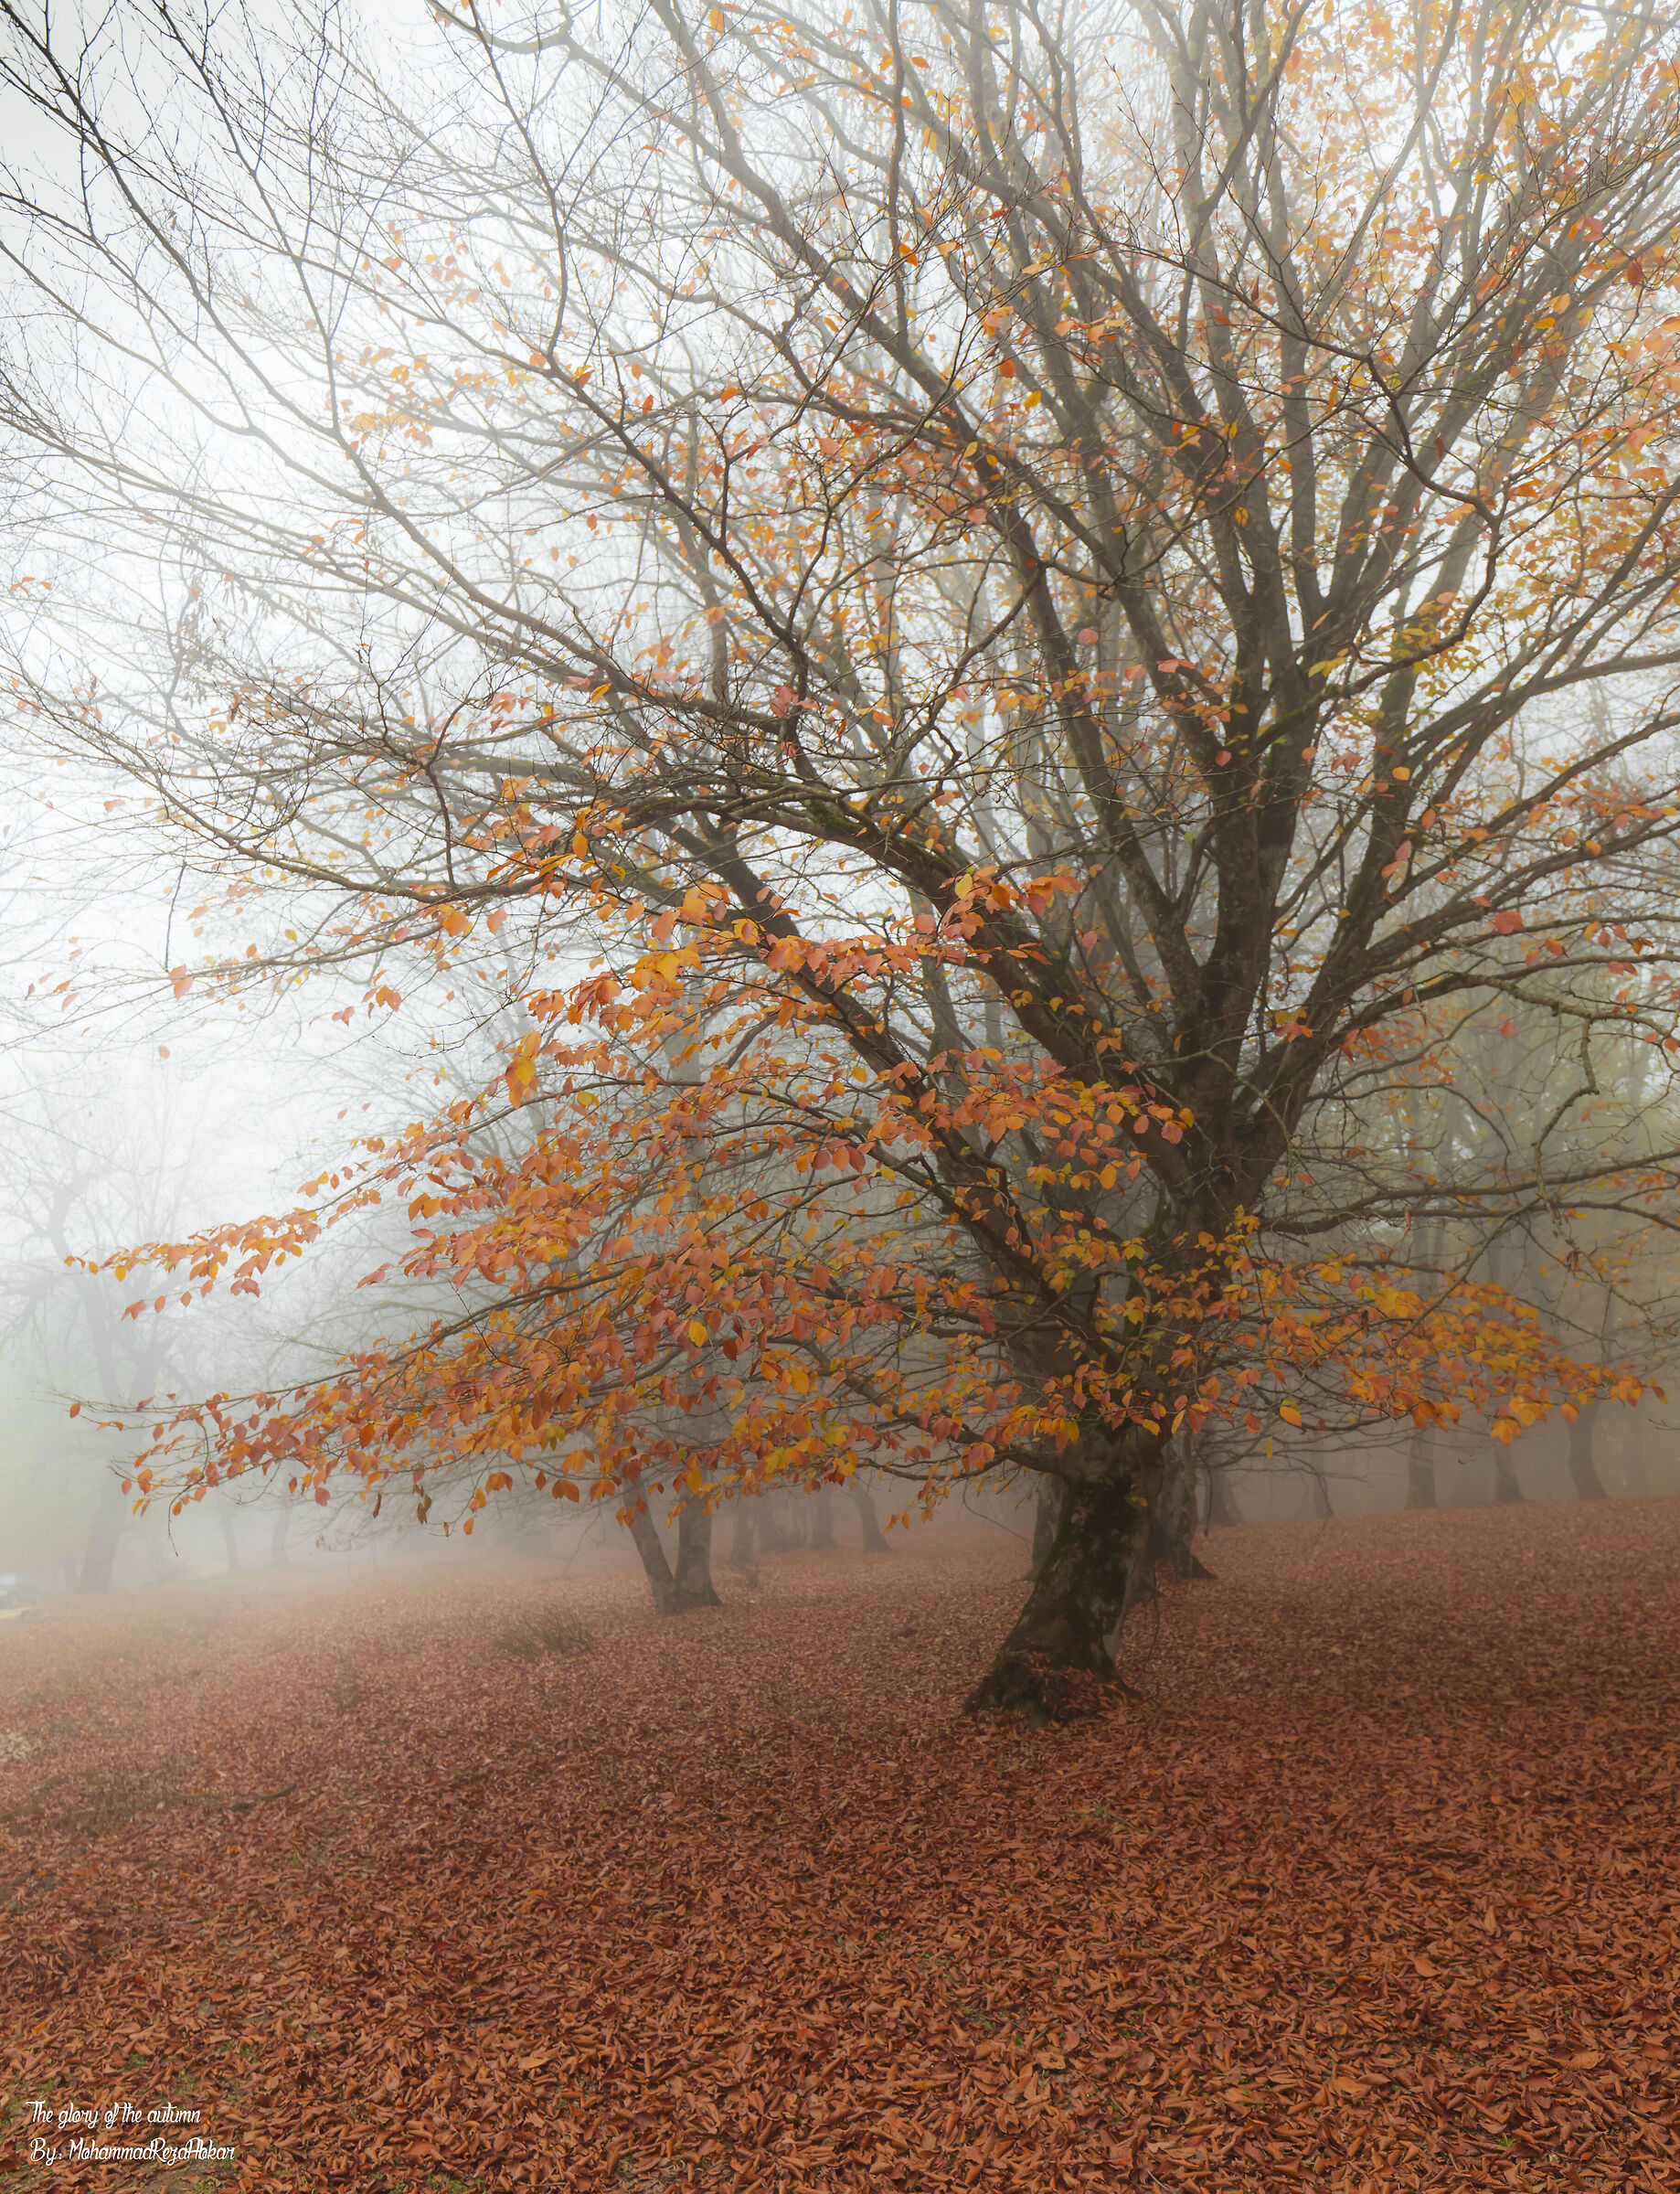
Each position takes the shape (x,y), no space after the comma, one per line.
(1047,590)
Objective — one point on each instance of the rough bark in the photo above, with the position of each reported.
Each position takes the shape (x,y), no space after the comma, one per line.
(1419,1472)
(863,1500)
(1057,1662)
(694,1557)
(1045,1520)
(1583,1471)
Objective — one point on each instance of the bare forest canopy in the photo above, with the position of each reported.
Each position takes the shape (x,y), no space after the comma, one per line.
(1027,664)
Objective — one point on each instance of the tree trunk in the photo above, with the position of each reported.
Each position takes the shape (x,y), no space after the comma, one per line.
(1506,1490)
(1419,1472)
(230,1538)
(656,1567)
(823,1521)
(1045,1520)
(1059,1660)
(1222,1509)
(863,1500)
(772,1531)
(1318,1498)
(277,1541)
(741,1542)
(109,1520)
(694,1557)
(1172,1530)
(1583,1470)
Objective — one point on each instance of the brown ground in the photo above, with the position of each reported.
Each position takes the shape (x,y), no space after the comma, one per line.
(1380,1891)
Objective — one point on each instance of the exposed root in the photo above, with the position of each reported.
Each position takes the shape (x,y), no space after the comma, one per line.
(1045,1690)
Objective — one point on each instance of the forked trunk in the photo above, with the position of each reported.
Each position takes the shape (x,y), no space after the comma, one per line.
(1583,1471)
(690,1584)
(1059,1660)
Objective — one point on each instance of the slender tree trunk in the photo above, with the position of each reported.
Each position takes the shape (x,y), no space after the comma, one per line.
(109,1520)
(1045,1520)
(863,1500)
(277,1541)
(772,1535)
(822,1521)
(230,1538)
(694,1557)
(1059,1660)
(1318,1498)
(1222,1509)
(1506,1488)
(741,1539)
(654,1565)
(1583,1471)
(1419,1471)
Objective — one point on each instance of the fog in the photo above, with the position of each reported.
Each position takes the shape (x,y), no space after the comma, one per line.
(840,1084)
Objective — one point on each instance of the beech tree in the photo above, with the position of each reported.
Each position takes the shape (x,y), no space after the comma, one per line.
(1045,593)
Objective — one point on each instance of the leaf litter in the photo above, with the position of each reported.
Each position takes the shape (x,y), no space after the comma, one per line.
(1375,1888)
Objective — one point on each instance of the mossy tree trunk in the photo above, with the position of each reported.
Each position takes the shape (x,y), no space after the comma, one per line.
(1059,1660)
(1046,1517)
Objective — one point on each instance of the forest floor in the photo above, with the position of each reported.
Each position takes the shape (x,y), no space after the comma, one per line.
(1377,1889)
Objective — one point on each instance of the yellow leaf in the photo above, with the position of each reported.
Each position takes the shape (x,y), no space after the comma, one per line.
(698,1333)
(1289,1412)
